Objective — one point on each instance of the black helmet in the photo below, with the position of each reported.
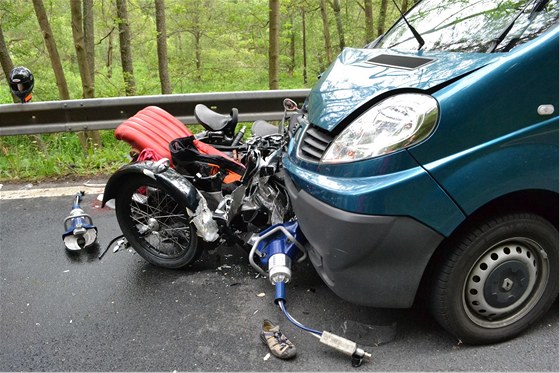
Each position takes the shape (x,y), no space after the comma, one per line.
(21,83)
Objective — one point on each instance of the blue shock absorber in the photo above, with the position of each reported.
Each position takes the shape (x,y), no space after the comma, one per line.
(79,229)
(276,248)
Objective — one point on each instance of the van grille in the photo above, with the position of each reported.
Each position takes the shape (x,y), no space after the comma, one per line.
(313,144)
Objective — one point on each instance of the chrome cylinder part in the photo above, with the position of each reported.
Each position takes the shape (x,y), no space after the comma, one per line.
(279,268)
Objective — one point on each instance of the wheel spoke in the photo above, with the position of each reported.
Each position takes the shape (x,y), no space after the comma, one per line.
(151,206)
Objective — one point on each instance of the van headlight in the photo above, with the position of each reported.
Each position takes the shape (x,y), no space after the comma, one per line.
(392,124)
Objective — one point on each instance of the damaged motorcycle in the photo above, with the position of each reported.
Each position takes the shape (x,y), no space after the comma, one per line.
(183,193)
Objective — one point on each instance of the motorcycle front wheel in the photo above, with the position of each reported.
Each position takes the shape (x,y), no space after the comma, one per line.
(155,223)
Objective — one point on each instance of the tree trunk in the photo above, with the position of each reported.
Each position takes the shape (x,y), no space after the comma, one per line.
(109,63)
(404,6)
(52,49)
(126,54)
(382,17)
(368,9)
(88,139)
(107,18)
(79,45)
(198,54)
(89,38)
(336,8)
(292,64)
(197,33)
(326,32)
(5,58)
(273,43)
(162,47)
(304,45)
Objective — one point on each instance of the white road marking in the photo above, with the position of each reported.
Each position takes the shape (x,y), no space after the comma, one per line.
(48,192)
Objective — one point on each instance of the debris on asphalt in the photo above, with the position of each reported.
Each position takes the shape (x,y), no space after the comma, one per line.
(266,357)
(260,295)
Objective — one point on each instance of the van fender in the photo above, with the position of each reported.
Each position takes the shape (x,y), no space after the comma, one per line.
(173,183)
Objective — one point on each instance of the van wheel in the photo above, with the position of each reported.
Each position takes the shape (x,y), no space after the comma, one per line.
(498,278)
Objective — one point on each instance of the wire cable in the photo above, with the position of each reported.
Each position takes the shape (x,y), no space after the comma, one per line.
(109,245)
(294,321)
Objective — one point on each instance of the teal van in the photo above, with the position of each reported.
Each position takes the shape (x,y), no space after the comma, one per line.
(425,166)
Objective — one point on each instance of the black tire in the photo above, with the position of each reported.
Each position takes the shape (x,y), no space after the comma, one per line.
(155,224)
(497,279)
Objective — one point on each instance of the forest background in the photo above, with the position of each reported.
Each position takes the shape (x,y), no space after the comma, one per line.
(109,48)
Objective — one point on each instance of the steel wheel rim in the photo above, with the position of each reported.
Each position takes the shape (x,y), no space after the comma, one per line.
(159,222)
(505,283)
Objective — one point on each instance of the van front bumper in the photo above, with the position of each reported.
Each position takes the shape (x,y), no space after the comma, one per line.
(370,260)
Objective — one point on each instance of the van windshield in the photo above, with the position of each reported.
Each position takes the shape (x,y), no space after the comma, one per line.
(471,25)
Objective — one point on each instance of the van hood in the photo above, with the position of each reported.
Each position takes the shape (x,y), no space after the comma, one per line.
(359,75)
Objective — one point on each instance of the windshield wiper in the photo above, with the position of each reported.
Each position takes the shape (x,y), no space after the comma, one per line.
(417,36)
(540,4)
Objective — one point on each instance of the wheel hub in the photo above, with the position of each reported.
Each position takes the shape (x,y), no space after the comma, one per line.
(500,281)
(506,284)
(153,224)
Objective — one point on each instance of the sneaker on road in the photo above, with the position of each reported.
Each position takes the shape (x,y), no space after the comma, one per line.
(278,344)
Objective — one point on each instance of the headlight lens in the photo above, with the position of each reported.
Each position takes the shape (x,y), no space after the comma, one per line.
(392,124)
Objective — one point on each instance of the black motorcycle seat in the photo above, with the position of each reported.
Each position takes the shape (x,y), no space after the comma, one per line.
(213,121)
(263,128)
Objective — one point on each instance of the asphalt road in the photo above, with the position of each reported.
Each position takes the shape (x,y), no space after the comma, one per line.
(62,312)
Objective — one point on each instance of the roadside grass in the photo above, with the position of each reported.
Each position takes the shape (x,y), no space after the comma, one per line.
(60,156)
(56,156)
(24,158)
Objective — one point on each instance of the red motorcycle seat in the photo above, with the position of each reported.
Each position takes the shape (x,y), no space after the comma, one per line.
(154,128)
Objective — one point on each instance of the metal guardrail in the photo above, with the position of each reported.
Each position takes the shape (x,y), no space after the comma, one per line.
(108,113)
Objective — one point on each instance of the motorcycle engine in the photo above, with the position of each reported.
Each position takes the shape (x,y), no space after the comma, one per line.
(265,205)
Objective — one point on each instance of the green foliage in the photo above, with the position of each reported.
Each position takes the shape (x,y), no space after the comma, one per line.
(232,44)
(23,159)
